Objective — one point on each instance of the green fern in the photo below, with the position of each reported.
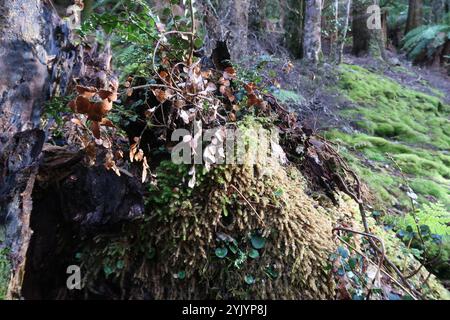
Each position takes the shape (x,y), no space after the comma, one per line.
(425,41)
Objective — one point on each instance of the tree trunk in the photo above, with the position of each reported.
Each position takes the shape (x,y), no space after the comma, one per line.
(312,44)
(367,29)
(38,60)
(239,28)
(415,15)
(27,39)
(343,34)
(227,20)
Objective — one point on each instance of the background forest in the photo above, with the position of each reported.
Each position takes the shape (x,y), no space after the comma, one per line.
(355,207)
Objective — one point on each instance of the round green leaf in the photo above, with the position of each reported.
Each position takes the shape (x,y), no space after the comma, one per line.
(181,275)
(258,242)
(120,264)
(254,254)
(221,252)
(249,279)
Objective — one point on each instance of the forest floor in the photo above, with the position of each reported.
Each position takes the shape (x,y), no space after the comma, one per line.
(389,120)
(391,123)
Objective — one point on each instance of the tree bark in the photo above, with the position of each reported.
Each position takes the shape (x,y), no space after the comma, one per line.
(367,29)
(415,15)
(312,43)
(31,35)
(343,33)
(227,20)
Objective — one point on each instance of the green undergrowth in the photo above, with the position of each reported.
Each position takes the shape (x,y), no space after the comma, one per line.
(397,128)
(5,271)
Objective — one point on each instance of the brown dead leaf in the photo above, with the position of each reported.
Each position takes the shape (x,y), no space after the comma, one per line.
(160,95)
(253,100)
(288,67)
(87,92)
(210,87)
(106,94)
(250,87)
(95,112)
(229,73)
(206,74)
(134,148)
(110,164)
(232,117)
(72,106)
(139,156)
(165,76)
(82,105)
(118,154)
(179,103)
(224,82)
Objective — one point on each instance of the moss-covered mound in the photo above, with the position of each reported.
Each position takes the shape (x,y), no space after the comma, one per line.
(257,235)
(243,232)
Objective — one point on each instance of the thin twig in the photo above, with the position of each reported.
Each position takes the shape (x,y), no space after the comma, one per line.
(381,260)
(386,273)
(191,53)
(248,202)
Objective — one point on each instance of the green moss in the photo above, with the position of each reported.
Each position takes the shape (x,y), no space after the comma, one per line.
(286,96)
(430,188)
(395,122)
(5,271)
(418,165)
(387,109)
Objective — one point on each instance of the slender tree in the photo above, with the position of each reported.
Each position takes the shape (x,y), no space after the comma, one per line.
(312,44)
(343,32)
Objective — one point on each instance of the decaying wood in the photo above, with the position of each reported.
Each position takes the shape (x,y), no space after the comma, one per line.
(27,41)
(71,201)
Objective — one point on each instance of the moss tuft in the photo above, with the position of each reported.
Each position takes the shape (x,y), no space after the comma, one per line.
(5,271)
